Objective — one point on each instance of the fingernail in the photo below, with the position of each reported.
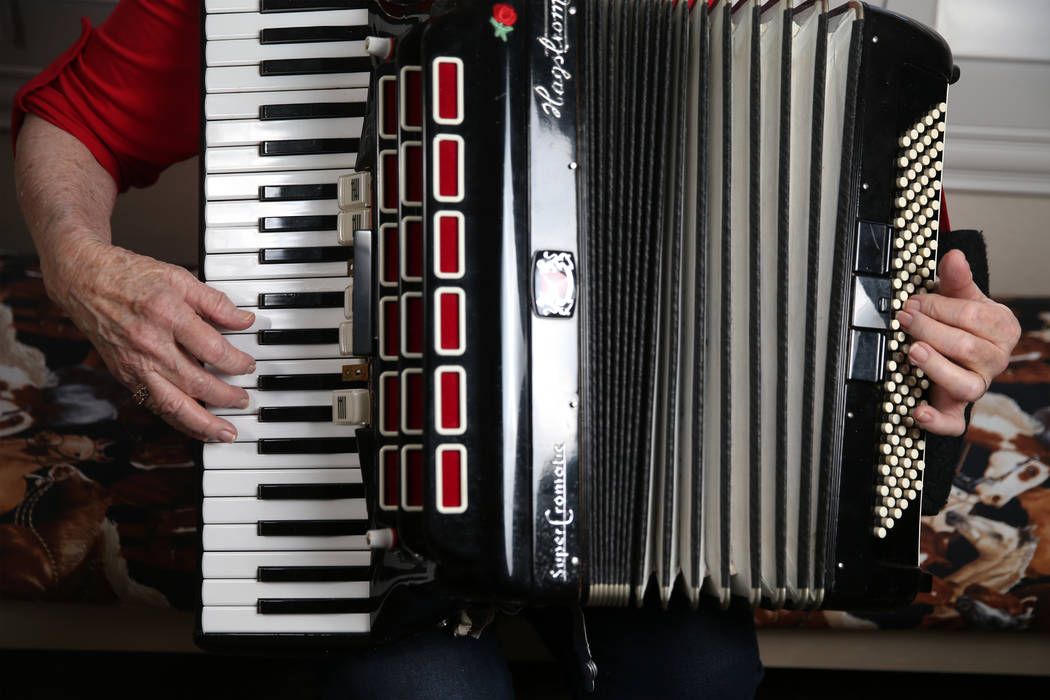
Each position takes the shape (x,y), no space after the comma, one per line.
(912,305)
(904,318)
(920,414)
(248,316)
(242,403)
(251,368)
(918,353)
(226,436)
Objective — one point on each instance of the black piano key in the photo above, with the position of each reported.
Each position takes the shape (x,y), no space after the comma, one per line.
(266,6)
(299,336)
(310,35)
(295,414)
(361,302)
(304,382)
(310,492)
(337,253)
(307,147)
(314,66)
(313,110)
(287,193)
(311,528)
(306,446)
(302,300)
(314,606)
(312,574)
(325,222)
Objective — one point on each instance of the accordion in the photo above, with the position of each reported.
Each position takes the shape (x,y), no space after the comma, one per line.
(612,290)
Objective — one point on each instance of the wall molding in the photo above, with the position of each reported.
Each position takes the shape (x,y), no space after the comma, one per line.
(997,159)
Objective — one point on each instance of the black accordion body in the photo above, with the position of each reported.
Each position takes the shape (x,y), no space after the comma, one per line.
(613,289)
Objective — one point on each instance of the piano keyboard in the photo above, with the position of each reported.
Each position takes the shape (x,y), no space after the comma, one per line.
(284,514)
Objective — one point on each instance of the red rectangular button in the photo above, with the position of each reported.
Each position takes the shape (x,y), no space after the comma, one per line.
(412,248)
(388,255)
(412,308)
(452,466)
(450,406)
(388,107)
(412,97)
(412,164)
(448,96)
(389,393)
(388,331)
(450,321)
(413,400)
(389,181)
(449,238)
(412,465)
(448,155)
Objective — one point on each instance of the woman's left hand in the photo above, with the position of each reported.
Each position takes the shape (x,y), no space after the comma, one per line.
(961,339)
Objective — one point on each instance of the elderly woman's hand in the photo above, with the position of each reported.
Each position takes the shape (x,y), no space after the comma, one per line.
(149,322)
(961,339)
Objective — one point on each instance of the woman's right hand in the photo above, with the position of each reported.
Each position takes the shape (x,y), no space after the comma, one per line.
(149,322)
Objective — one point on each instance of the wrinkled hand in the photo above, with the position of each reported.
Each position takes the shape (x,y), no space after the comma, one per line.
(148,321)
(961,339)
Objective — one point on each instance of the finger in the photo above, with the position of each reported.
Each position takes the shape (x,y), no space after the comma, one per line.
(955,278)
(956,382)
(201,384)
(981,318)
(941,418)
(216,306)
(211,347)
(183,413)
(969,350)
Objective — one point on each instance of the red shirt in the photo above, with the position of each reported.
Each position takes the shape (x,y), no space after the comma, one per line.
(129,89)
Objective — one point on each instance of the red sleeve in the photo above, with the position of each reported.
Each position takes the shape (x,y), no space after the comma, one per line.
(128,89)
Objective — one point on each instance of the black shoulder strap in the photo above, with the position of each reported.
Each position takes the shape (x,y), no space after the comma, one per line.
(943,454)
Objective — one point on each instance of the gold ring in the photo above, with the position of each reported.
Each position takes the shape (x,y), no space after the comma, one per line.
(141,395)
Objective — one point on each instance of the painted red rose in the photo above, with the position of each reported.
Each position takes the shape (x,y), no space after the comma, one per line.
(504,14)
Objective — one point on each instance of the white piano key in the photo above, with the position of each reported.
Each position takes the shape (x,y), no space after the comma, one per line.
(233,186)
(244,266)
(247,52)
(245,105)
(249,343)
(252,132)
(242,592)
(266,319)
(247,213)
(275,399)
(211,6)
(242,619)
(268,367)
(251,510)
(245,455)
(248,240)
(246,482)
(246,292)
(248,25)
(244,537)
(246,159)
(245,564)
(248,79)
(250,429)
